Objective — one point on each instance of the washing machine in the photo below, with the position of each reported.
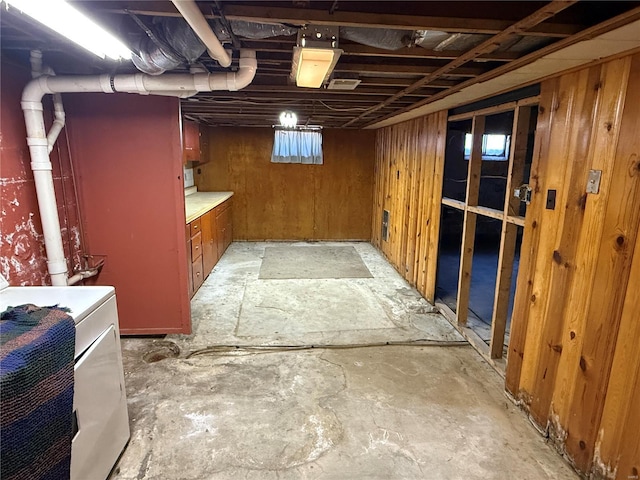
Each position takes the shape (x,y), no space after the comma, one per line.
(101,420)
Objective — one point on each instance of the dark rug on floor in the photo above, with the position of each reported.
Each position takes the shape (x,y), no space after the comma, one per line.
(289,262)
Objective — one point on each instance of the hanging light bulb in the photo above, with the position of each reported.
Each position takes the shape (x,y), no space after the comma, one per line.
(288,119)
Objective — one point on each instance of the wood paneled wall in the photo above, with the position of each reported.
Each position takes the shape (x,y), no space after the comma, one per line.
(574,355)
(408,183)
(275,201)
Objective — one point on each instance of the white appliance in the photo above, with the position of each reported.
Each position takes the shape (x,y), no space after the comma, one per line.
(99,400)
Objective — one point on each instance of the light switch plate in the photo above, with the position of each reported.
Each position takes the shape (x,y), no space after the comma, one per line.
(593,182)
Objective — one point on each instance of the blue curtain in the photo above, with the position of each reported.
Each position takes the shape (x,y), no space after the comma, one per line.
(297,146)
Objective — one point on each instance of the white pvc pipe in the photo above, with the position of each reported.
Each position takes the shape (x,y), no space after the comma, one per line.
(193,15)
(179,85)
(58,122)
(35,57)
(41,166)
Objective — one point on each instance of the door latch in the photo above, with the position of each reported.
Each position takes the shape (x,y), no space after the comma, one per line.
(523,192)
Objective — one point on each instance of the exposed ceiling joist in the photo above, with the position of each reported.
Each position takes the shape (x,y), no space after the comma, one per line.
(589,33)
(487,46)
(378,68)
(424,53)
(355,50)
(446,64)
(303,16)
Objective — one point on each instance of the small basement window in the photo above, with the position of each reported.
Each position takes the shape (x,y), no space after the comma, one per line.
(494,147)
(297,146)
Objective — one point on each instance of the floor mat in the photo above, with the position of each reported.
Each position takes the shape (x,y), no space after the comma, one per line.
(291,262)
(301,306)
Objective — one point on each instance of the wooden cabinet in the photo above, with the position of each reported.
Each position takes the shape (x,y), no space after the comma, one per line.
(194,258)
(209,248)
(207,239)
(195,143)
(190,142)
(189,264)
(224,233)
(204,144)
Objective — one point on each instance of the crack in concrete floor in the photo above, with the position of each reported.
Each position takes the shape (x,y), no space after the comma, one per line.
(373,413)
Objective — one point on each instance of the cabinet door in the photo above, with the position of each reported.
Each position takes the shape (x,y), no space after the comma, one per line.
(224,228)
(220,231)
(190,141)
(228,231)
(209,250)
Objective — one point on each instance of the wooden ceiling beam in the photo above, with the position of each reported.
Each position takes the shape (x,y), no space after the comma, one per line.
(420,53)
(355,50)
(372,69)
(323,91)
(402,82)
(592,32)
(276,98)
(304,16)
(489,45)
(405,69)
(276,112)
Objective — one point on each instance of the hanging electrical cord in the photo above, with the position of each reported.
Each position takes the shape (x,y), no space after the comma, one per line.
(353,109)
(72,251)
(236,350)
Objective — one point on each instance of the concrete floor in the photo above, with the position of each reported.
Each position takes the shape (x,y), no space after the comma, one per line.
(375,412)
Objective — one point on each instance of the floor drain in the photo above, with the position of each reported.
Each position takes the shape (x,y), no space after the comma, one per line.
(161,351)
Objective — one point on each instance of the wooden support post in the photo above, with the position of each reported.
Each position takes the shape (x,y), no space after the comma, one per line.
(520,132)
(439,123)
(469,228)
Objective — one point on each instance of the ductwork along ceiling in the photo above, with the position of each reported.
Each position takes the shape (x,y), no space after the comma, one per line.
(399,54)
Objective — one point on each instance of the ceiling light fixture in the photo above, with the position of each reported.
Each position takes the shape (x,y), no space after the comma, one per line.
(315,56)
(66,20)
(288,119)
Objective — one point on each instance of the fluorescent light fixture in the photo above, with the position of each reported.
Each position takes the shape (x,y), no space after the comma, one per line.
(61,17)
(288,119)
(314,65)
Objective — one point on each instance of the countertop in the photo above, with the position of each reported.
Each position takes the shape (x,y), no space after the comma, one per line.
(199,203)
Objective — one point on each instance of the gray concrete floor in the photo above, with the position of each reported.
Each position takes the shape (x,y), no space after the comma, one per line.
(407,411)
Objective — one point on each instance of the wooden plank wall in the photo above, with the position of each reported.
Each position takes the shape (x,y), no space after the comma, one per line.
(573,358)
(408,183)
(292,202)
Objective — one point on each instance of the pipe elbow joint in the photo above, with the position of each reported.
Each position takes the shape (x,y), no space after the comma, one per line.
(35,90)
(247,71)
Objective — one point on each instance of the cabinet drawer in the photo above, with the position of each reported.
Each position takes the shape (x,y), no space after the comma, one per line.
(198,274)
(222,207)
(196,246)
(196,226)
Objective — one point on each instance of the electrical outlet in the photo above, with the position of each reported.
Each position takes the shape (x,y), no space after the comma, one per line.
(551,199)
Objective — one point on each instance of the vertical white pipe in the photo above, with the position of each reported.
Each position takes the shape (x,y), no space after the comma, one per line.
(58,122)
(41,166)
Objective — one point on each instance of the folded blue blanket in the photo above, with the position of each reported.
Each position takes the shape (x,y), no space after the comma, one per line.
(36,392)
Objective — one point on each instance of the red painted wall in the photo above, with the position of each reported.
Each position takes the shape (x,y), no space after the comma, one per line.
(128,157)
(22,254)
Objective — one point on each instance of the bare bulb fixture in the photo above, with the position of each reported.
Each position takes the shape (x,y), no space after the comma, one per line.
(288,119)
